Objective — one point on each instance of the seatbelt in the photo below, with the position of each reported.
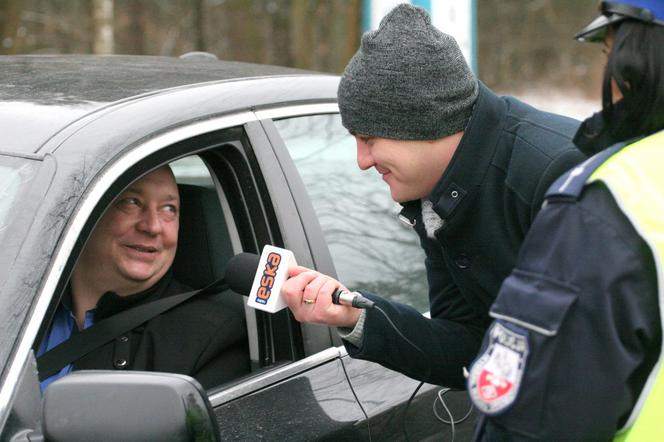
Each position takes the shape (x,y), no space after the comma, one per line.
(82,343)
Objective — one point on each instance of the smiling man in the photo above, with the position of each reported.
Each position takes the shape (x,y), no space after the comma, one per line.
(126,263)
(133,246)
(470,169)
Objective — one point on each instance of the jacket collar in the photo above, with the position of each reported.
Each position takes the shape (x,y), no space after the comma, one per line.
(471,160)
(111,303)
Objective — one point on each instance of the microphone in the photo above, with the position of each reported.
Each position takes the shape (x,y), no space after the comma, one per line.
(264,276)
(240,271)
(261,278)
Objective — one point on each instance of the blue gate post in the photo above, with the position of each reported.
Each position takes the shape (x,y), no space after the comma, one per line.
(455,17)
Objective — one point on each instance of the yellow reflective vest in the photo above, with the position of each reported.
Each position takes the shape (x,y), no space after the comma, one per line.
(635,178)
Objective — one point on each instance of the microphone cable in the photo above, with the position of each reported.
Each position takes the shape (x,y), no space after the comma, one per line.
(405,411)
(451,422)
(404,417)
(396,329)
(439,396)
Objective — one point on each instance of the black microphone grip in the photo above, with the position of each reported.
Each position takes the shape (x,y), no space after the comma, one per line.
(352,299)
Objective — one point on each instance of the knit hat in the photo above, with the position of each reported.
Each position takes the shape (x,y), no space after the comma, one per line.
(408,81)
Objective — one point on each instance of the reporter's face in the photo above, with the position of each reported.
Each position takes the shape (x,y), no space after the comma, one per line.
(410,168)
(134,244)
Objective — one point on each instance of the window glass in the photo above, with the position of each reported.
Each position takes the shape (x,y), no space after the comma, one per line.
(372,250)
(191,170)
(15,177)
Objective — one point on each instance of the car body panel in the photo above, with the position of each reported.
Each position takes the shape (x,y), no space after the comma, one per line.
(94,124)
(63,89)
(311,396)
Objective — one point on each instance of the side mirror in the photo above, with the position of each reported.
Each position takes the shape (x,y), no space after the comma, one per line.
(104,405)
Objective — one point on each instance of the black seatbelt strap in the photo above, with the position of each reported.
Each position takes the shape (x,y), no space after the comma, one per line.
(82,343)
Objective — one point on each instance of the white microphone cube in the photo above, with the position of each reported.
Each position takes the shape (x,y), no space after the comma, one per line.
(270,276)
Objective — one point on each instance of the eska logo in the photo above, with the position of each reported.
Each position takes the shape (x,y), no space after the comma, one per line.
(267,279)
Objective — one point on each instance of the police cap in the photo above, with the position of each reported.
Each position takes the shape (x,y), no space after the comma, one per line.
(648,11)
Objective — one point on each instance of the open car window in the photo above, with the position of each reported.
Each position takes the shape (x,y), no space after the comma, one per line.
(370,248)
(220,216)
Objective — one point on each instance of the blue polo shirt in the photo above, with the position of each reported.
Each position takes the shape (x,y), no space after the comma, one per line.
(62,328)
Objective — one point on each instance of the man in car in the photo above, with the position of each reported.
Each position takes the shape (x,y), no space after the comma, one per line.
(470,169)
(126,263)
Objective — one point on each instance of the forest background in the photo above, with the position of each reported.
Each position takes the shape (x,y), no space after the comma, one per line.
(525,47)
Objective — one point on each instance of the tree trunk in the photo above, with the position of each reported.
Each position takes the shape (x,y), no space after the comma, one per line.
(11,35)
(199,25)
(300,35)
(137,28)
(102,14)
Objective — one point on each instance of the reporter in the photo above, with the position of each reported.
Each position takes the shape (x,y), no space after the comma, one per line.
(470,170)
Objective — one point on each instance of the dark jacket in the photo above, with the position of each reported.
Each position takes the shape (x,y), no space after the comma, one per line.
(202,337)
(487,198)
(585,273)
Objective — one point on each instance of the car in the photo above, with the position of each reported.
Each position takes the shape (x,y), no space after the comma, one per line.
(264,147)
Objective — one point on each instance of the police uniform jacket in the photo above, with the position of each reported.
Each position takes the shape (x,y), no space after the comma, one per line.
(201,338)
(586,279)
(487,198)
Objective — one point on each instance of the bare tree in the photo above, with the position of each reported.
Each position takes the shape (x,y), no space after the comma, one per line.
(11,31)
(137,28)
(199,25)
(102,12)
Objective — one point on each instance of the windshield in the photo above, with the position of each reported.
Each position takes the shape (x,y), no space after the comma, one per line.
(16,174)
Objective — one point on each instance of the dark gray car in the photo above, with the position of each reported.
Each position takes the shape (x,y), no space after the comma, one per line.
(268,144)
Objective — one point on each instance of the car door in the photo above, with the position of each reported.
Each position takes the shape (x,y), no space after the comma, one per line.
(297,388)
(352,217)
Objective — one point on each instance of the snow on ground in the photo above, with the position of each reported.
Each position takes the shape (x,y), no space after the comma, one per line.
(565,103)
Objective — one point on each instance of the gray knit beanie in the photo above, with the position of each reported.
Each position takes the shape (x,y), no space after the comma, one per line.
(408,81)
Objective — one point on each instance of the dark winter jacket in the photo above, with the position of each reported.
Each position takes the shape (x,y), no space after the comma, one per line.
(202,337)
(487,199)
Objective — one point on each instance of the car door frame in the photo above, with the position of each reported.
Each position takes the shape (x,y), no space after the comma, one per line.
(86,206)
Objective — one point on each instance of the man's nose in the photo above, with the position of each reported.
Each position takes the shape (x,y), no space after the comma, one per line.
(150,222)
(364,158)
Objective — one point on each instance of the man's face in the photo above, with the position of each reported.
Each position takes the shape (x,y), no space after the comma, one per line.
(410,168)
(134,244)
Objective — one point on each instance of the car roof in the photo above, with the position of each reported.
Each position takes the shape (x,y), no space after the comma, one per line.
(42,94)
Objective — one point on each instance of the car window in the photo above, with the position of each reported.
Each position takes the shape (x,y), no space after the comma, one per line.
(206,241)
(221,237)
(370,248)
(191,170)
(16,174)
(22,184)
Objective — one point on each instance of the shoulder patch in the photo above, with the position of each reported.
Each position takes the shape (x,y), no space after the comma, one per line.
(571,183)
(495,377)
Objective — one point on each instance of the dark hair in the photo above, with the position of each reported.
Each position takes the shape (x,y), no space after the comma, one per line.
(636,63)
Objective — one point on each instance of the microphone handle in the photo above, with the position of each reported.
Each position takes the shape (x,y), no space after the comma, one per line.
(352,299)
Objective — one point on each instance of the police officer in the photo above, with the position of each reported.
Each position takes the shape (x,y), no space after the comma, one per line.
(575,349)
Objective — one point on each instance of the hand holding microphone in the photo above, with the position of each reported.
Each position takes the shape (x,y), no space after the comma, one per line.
(274,281)
(311,298)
